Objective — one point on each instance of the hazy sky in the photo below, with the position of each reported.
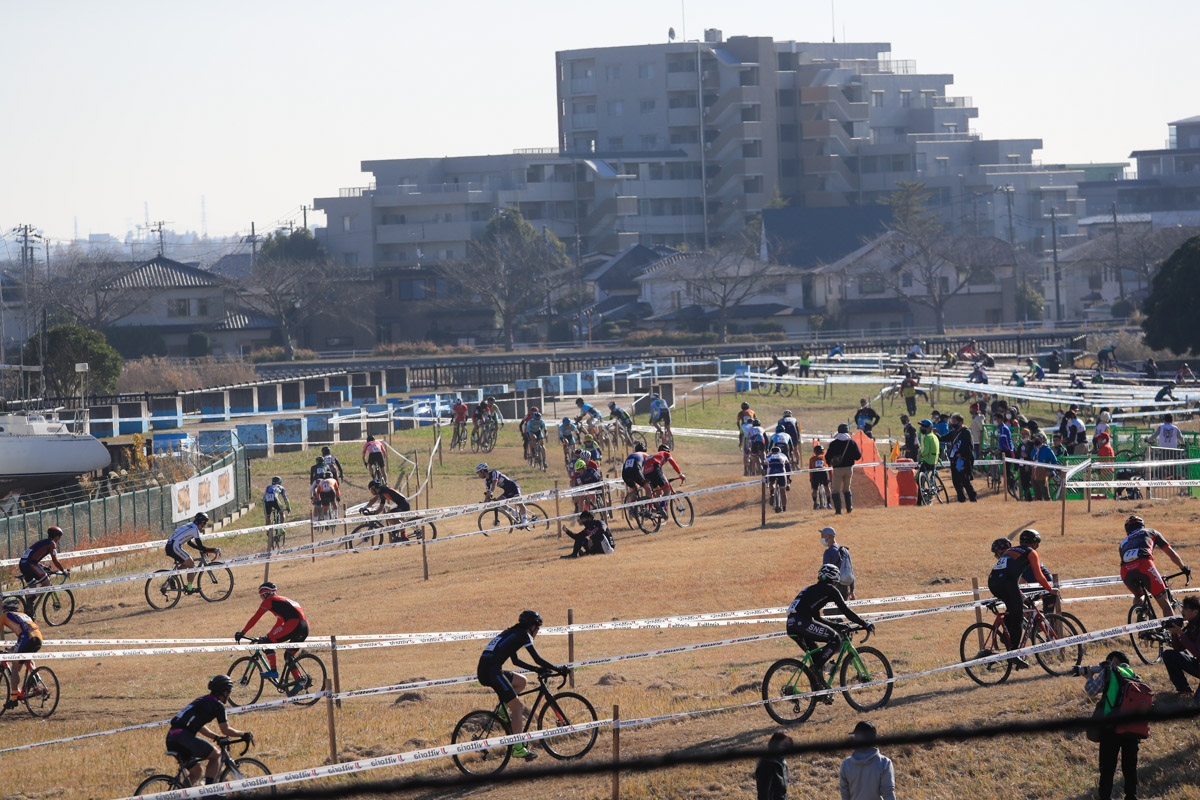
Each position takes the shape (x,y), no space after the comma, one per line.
(261,106)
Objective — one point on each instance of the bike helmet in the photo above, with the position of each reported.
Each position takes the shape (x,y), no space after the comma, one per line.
(579,465)
(787,414)
(490,400)
(654,396)
(579,401)
(776,449)
(12,604)
(745,406)
(1134,523)
(220,684)
(200,518)
(829,573)
(780,429)
(1000,545)
(566,420)
(54,530)
(638,447)
(537,415)
(533,410)
(612,403)
(481,466)
(320,460)
(373,486)
(577,451)
(1030,536)
(266,589)
(664,448)
(326,451)
(275,480)
(529,619)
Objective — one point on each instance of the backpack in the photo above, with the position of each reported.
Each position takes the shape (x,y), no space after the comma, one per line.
(847,566)
(1135,697)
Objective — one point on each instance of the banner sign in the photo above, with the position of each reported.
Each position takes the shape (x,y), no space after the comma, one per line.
(201,493)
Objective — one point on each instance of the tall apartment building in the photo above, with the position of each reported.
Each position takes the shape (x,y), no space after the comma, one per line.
(1168,179)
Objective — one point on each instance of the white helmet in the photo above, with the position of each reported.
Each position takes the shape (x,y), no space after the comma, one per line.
(481,467)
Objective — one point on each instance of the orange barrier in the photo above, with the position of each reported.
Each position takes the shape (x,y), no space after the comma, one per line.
(870,453)
(906,482)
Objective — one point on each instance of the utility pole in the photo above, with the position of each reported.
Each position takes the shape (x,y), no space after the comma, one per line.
(253,240)
(304,211)
(157,227)
(1012,243)
(1058,303)
(703,154)
(1117,257)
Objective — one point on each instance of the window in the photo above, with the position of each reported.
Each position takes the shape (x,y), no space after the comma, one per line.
(751,114)
(682,100)
(616,143)
(927,96)
(177,307)
(614,108)
(612,72)
(748,77)
(951,127)
(906,280)
(752,149)
(649,141)
(645,71)
(584,107)
(581,69)
(201,307)
(787,97)
(877,99)
(684,136)
(347,225)
(905,98)
(753,185)
(944,285)
(681,64)
(583,144)
(870,284)
(943,165)
(790,168)
(788,133)
(647,106)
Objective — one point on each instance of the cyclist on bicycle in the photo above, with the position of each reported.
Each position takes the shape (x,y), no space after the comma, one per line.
(930,448)
(587,473)
(820,475)
(660,415)
(535,430)
(1004,582)
(522,428)
(1035,371)
(290,626)
(652,468)
(632,470)
(478,414)
(591,448)
(588,417)
(494,479)
(332,464)
(30,564)
(568,433)
(272,495)
(778,368)
(754,441)
(806,627)
(791,427)
(779,473)
(183,741)
(459,409)
(783,440)
(325,493)
(373,455)
(620,415)
(319,466)
(189,535)
(1138,572)
(29,640)
(381,495)
(508,685)
(744,415)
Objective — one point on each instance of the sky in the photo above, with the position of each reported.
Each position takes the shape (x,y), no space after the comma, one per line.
(115,109)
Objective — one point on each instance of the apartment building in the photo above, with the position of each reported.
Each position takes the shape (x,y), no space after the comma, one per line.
(1168,179)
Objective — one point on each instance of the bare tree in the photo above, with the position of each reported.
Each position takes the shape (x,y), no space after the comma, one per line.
(83,287)
(1141,252)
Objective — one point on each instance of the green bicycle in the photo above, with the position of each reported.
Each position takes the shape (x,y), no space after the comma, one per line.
(788,682)
(250,673)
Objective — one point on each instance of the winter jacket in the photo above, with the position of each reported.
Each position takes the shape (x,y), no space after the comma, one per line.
(842,451)
(771,777)
(866,775)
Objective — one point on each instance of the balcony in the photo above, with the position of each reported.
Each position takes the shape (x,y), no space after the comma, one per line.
(838,175)
(583,85)
(583,122)
(732,134)
(680,117)
(834,99)
(830,131)
(415,232)
(681,81)
(736,98)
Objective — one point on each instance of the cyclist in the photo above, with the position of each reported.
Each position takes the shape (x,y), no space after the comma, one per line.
(652,468)
(588,417)
(272,495)
(1138,572)
(588,473)
(778,368)
(508,685)
(1004,582)
(478,413)
(660,415)
(381,495)
(568,433)
(535,430)
(460,417)
(820,475)
(806,627)
(30,564)
(316,468)
(1107,357)
(29,640)
(1015,379)
(791,427)
(494,479)
(189,535)
(1184,375)
(290,626)
(783,440)
(1035,371)
(930,448)
(779,472)
(182,739)
(622,416)
(591,448)
(631,470)
(755,441)
(332,463)
(373,455)
(325,493)
(744,415)
(521,428)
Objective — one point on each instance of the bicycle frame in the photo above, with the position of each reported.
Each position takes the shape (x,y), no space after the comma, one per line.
(847,650)
(542,690)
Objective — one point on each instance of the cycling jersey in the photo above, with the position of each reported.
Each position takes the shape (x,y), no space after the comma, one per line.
(789,427)
(184,534)
(39,550)
(589,410)
(808,604)
(621,414)
(655,463)
(631,470)
(778,464)
(592,451)
(496,478)
(506,645)
(817,462)
(460,413)
(477,412)
(930,448)
(371,447)
(567,431)
(198,713)
(536,428)
(744,416)
(387,493)
(327,486)
(1012,563)
(781,440)
(285,610)
(274,493)
(24,625)
(659,408)
(634,461)
(1140,544)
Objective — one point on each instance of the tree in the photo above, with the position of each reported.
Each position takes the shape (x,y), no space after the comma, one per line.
(80,287)
(297,245)
(1030,303)
(71,344)
(1173,299)
(512,267)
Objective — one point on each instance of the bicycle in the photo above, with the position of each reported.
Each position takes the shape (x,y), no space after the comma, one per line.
(663,437)
(57,606)
(537,455)
(640,516)
(767,387)
(488,432)
(214,582)
(458,440)
(276,536)
(232,769)
(506,518)
(930,486)
(249,675)
(559,709)
(775,494)
(39,690)
(378,474)
(681,508)
(618,434)
(752,464)
(1037,627)
(365,538)
(1151,643)
(788,683)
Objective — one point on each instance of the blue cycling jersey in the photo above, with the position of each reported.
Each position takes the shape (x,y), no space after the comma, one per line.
(658,407)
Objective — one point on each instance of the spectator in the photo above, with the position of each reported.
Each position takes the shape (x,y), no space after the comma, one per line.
(1184,656)
(1074,434)
(1150,367)
(1041,474)
(1026,451)
(976,427)
(840,557)
(908,390)
(1167,435)
(771,774)
(805,363)
(910,449)
(1106,680)
(1102,422)
(843,452)
(865,414)
(962,458)
(1060,452)
(867,775)
(594,537)
(941,426)
(1054,362)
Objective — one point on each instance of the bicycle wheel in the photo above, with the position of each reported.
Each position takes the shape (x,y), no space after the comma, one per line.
(247,681)
(4,693)
(540,455)
(472,728)
(994,672)
(638,436)
(312,670)
(495,519)
(475,444)
(58,607)
(155,784)
(426,530)
(1059,662)
(248,768)
(41,692)
(630,512)
(784,678)
(682,511)
(669,440)
(765,387)
(364,535)
(647,520)
(940,489)
(1148,644)
(869,665)
(568,708)
(163,590)
(539,519)
(215,584)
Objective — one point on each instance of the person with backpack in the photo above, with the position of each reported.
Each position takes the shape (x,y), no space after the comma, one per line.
(771,774)
(594,538)
(839,556)
(842,453)
(1183,658)
(1121,691)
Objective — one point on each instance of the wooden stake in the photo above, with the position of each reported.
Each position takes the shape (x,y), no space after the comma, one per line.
(312,537)
(763,501)
(557,510)
(978,610)
(616,775)
(701,397)
(333,753)
(1063,490)
(1089,491)
(424,559)
(337,678)
(571,643)
(885,481)
(1057,603)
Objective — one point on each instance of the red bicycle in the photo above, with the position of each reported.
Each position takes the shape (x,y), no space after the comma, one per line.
(680,506)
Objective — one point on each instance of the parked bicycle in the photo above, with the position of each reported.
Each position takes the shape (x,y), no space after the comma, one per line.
(39,689)
(57,606)
(551,709)
(506,518)
(251,673)
(213,581)
(365,535)
(788,683)
(1149,644)
(232,769)
(1038,627)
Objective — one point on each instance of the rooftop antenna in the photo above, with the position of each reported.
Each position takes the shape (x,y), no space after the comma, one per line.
(203,219)
(683,24)
(833,21)
(146,210)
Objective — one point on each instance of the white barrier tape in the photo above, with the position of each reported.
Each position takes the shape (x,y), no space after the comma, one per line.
(1133,484)
(1173,462)
(1024,463)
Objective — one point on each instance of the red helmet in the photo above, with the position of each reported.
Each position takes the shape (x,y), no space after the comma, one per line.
(54,530)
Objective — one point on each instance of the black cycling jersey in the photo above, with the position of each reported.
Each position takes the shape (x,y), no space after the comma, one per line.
(1012,563)
(634,461)
(506,645)
(808,604)
(1141,544)
(39,550)
(199,713)
(388,494)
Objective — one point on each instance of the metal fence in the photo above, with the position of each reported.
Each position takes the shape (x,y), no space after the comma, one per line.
(135,514)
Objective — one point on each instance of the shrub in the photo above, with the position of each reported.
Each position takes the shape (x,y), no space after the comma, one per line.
(658,337)
(421,349)
(198,345)
(263,354)
(163,375)
(1122,308)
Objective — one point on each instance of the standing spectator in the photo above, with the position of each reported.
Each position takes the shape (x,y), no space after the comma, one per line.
(1075,435)
(865,414)
(962,458)
(771,774)
(908,390)
(805,363)
(1054,361)
(840,557)
(1041,474)
(1102,423)
(843,452)
(1026,451)
(1184,657)
(867,775)
(1167,435)
(976,427)
(941,425)
(1150,367)
(1106,679)
(1060,452)
(911,450)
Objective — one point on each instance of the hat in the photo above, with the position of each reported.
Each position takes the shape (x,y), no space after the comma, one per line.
(864,732)
(926,423)
(828,532)
(843,428)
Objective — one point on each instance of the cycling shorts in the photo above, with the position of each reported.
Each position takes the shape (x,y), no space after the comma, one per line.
(633,477)
(376,459)
(31,571)
(289,630)
(27,644)
(664,417)
(271,505)
(499,681)
(1137,575)
(186,744)
(176,553)
(809,632)
(511,489)
(816,479)
(777,480)
(656,479)
(326,498)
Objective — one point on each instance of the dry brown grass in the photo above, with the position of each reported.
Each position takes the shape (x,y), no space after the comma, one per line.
(725,562)
(151,374)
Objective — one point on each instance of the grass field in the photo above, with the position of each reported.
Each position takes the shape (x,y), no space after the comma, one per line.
(726,561)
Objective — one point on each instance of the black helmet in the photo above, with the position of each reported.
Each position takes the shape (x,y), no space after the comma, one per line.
(664,448)
(276,480)
(326,451)
(1030,536)
(220,684)
(320,460)
(529,619)
(638,447)
(1000,545)
(578,401)
(200,519)
(1134,523)
(373,486)
(267,588)
(745,406)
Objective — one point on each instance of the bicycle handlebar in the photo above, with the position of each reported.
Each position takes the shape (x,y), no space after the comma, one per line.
(225,742)
(1187,577)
